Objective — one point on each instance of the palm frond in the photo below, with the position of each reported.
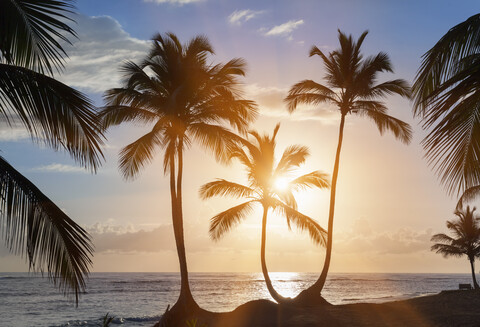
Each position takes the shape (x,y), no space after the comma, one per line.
(224,221)
(222,187)
(396,86)
(52,112)
(31,32)
(453,148)
(310,93)
(469,195)
(302,222)
(448,250)
(293,156)
(137,154)
(441,61)
(33,226)
(384,122)
(116,115)
(215,138)
(313,179)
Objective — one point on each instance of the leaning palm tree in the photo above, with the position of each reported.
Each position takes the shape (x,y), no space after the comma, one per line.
(185,99)
(54,114)
(350,86)
(259,161)
(447,99)
(465,240)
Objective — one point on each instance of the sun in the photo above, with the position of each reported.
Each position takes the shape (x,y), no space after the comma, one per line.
(281,184)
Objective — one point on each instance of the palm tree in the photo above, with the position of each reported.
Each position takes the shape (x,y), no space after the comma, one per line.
(447,93)
(465,240)
(259,161)
(185,99)
(54,114)
(351,87)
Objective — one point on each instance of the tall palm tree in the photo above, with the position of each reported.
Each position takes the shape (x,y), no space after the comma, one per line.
(54,114)
(447,99)
(186,99)
(259,161)
(465,240)
(351,85)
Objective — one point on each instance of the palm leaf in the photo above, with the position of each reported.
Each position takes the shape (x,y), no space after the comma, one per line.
(302,222)
(468,195)
(227,219)
(137,154)
(52,112)
(222,187)
(313,179)
(32,225)
(384,122)
(293,156)
(31,31)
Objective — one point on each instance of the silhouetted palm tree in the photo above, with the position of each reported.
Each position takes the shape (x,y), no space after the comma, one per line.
(447,93)
(185,99)
(259,160)
(351,87)
(54,114)
(465,240)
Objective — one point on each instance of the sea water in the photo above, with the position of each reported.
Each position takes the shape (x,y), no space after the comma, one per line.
(139,299)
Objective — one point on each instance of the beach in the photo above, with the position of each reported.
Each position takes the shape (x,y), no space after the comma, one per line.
(446,309)
(140,299)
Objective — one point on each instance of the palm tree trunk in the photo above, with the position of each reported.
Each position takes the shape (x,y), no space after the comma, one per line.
(277,297)
(185,299)
(472,265)
(320,283)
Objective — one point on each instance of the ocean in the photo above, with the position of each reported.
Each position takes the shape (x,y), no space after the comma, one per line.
(139,299)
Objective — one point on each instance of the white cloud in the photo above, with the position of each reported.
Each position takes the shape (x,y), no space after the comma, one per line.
(10,134)
(174,2)
(96,56)
(362,239)
(60,168)
(238,17)
(284,29)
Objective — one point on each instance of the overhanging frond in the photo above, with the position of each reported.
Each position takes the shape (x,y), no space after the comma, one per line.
(33,226)
(52,112)
(31,32)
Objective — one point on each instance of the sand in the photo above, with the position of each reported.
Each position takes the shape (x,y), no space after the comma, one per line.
(448,308)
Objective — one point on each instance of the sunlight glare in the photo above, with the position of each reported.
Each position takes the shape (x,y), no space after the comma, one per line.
(281,184)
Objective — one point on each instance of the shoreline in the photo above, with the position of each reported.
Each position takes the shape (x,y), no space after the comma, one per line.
(446,309)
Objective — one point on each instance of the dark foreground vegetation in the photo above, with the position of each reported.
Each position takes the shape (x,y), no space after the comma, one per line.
(448,308)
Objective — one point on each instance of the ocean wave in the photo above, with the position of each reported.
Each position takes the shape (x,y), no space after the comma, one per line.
(115,321)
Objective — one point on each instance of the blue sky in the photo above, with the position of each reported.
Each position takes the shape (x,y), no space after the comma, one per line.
(389,201)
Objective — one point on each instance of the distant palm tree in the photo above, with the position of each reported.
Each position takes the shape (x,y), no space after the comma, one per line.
(351,87)
(54,114)
(259,160)
(185,99)
(465,240)
(447,98)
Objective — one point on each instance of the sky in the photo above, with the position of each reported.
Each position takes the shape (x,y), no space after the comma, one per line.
(389,201)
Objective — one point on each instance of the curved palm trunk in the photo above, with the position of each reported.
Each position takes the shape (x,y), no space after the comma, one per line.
(472,265)
(320,283)
(277,297)
(185,299)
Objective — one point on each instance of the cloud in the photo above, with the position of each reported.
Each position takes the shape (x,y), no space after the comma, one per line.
(284,29)
(270,101)
(11,134)
(59,168)
(96,56)
(174,2)
(362,239)
(238,17)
